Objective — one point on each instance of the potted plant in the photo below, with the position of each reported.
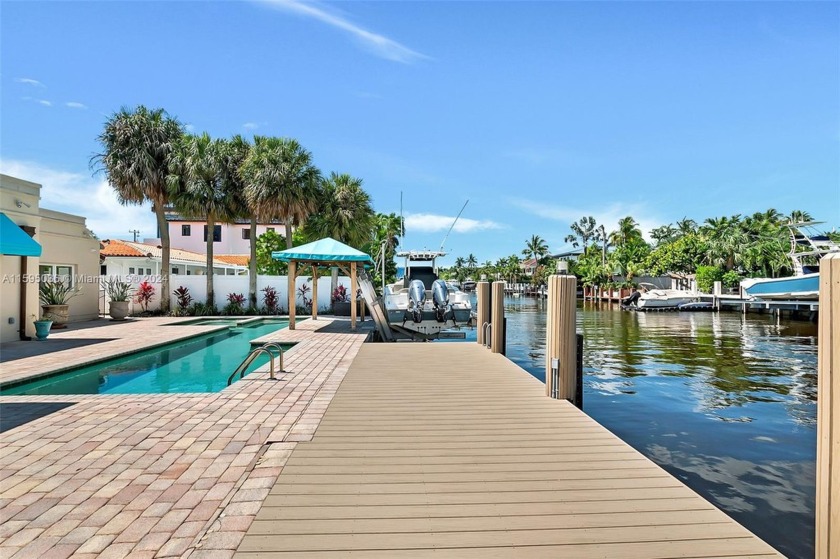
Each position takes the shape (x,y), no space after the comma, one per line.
(119,294)
(54,296)
(341,302)
(42,328)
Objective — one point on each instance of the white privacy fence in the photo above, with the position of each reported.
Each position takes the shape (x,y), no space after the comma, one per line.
(224,285)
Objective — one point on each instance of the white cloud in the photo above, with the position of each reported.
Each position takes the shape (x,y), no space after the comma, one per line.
(431,223)
(75,105)
(29,81)
(608,215)
(81,194)
(253,125)
(189,128)
(379,45)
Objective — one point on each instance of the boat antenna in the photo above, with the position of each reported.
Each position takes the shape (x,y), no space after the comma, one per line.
(402,222)
(453,224)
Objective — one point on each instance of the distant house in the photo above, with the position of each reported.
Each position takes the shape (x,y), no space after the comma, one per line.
(126,258)
(528,267)
(568,252)
(228,238)
(39,243)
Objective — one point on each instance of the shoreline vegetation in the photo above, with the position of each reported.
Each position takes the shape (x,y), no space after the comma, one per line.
(148,156)
(726,249)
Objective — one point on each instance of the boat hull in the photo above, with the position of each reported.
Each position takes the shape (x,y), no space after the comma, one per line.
(796,288)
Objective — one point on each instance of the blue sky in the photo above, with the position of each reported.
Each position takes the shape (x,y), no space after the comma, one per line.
(538,113)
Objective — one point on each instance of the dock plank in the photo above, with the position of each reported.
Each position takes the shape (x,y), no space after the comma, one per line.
(449,450)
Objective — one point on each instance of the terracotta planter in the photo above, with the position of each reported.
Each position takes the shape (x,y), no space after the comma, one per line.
(59,314)
(118,310)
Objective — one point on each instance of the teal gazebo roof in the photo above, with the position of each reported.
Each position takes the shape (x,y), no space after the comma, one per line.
(323,251)
(14,241)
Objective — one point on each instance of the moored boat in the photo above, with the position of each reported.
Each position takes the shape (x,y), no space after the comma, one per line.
(805,253)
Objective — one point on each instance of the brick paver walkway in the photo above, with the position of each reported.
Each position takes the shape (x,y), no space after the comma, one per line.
(162,475)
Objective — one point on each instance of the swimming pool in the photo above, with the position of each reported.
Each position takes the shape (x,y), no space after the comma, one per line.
(198,364)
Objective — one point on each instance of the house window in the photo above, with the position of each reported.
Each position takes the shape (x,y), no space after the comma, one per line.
(267,229)
(185,230)
(217,233)
(175,270)
(148,271)
(131,271)
(246,234)
(103,270)
(56,272)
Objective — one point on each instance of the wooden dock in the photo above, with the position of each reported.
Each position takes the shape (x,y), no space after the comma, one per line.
(449,450)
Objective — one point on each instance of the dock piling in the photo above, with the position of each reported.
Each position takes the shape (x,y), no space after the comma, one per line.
(561,340)
(828,411)
(497,331)
(482,301)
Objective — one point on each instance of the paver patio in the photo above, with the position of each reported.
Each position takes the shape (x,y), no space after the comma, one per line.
(180,475)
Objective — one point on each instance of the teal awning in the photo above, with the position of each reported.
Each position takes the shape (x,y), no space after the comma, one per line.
(14,241)
(323,251)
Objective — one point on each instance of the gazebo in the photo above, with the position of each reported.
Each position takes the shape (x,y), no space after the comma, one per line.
(325,252)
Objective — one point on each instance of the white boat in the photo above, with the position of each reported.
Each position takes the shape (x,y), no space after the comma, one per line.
(654,297)
(805,253)
(422,305)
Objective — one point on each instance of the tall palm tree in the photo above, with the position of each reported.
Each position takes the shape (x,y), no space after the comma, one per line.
(137,147)
(535,248)
(386,236)
(282,182)
(628,230)
(472,262)
(196,172)
(343,212)
(234,153)
(663,234)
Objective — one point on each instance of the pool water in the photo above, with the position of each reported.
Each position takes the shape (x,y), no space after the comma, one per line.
(199,364)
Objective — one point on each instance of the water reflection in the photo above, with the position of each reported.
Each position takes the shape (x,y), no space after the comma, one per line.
(725,402)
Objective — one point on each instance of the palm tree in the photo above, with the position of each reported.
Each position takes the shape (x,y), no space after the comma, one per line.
(196,172)
(234,153)
(799,216)
(386,236)
(628,230)
(472,262)
(663,234)
(686,226)
(535,248)
(343,213)
(137,151)
(281,181)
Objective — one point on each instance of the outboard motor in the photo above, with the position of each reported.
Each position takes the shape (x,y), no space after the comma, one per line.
(417,298)
(440,296)
(631,299)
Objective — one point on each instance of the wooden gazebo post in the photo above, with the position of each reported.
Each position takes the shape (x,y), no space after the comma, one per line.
(314,291)
(292,270)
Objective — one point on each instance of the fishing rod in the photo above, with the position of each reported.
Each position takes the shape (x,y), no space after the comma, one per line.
(453,225)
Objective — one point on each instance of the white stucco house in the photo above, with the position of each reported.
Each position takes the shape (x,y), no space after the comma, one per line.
(38,242)
(126,258)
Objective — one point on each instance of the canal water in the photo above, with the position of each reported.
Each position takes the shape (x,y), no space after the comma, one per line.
(724,402)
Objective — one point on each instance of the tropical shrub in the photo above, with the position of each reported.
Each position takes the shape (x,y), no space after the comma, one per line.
(707,276)
(117,291)
(731,279)
(56,292)
(340,294)
(183,298)
(144,295)
(200,309)
(302,292)
(236,303)
(270,300)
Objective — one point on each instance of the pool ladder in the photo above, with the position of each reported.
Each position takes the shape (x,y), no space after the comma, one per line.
(266,349)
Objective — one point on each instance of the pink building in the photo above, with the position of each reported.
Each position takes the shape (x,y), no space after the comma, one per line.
(228,238)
